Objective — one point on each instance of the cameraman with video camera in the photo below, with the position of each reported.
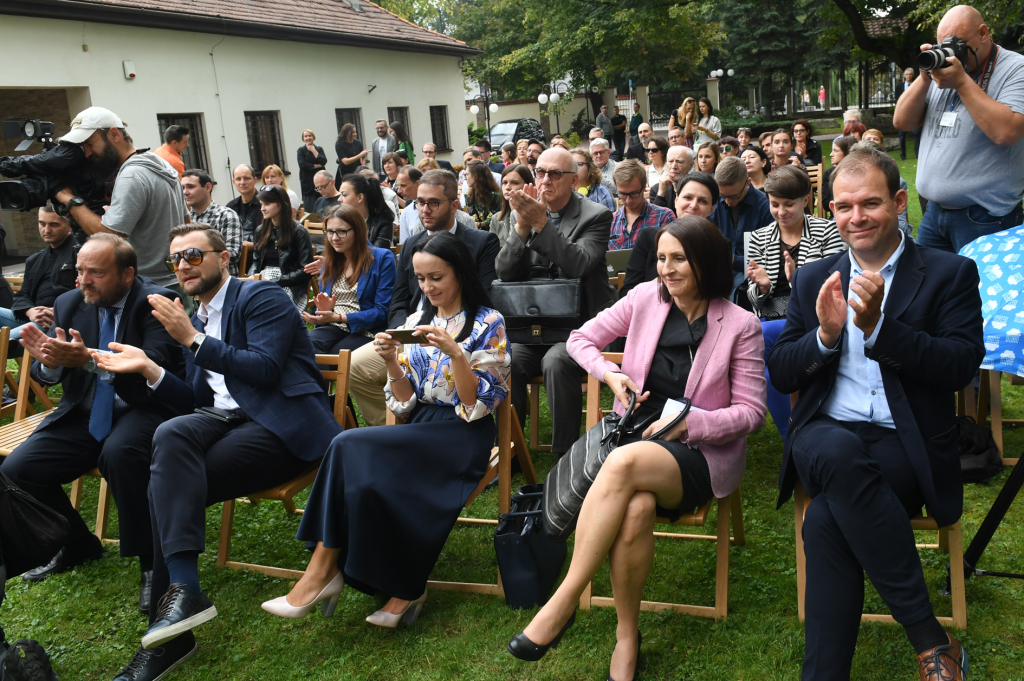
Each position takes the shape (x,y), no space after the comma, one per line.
(970,101)
(147,199)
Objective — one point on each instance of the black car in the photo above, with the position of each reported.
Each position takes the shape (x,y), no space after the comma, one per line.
(514,130)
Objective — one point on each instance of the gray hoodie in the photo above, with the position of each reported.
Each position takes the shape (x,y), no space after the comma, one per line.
(146,203)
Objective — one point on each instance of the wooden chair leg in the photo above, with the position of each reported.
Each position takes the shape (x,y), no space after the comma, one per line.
(520,449)
(738,535)
(956,577)
(227,518)
(995,396)
(76,493)
(103,510)
(534,391)
(983,398)
(722,570)
(800,503)
(586,596)
(944,539)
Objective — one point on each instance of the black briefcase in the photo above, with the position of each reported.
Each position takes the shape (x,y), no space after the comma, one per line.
(539,311)
(31,533)
(530,561)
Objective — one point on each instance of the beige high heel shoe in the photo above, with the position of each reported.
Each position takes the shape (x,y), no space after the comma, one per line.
(408,616)
(328,596)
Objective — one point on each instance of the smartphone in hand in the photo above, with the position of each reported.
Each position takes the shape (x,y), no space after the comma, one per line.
(405,336)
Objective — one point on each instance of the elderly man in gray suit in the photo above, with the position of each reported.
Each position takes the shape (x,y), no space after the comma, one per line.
(556,226)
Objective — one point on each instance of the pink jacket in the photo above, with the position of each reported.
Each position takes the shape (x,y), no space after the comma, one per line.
(726,381)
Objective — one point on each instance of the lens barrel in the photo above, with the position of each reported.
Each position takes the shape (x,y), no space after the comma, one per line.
(935,58)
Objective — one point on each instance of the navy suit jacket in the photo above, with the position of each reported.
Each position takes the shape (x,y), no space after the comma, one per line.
(930,345)
(268,365)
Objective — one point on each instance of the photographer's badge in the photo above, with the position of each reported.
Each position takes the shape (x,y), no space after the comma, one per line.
(948,120)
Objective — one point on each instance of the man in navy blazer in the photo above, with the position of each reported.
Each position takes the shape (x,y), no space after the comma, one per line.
(261,418)
(873,436)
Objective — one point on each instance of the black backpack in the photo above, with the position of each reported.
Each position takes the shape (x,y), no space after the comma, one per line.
(979,457)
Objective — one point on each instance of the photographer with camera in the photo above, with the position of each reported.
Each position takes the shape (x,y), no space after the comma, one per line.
(146,201)
(970,101)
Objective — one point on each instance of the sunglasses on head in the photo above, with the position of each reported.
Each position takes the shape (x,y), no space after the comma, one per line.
(193,256)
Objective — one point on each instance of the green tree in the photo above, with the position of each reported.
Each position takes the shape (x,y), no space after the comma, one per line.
(1005,18)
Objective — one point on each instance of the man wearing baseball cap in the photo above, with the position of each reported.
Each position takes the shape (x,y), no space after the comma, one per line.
(147,199)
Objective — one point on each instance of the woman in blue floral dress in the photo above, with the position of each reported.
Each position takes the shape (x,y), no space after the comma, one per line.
(387,497)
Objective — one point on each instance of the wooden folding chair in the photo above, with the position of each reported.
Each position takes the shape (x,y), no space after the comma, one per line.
(337,372)
(817,174)
(315,228)
(950,541)
(618,280)
(243,260)
(732,503)
(991,400)
(533,387)
(15,283)
(510,441)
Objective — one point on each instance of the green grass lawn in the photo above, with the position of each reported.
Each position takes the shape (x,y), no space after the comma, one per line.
(89,621)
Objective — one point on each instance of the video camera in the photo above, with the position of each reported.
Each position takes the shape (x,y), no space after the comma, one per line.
(938,57)
(42,175)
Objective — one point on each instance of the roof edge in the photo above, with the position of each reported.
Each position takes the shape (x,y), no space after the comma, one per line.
(76,10)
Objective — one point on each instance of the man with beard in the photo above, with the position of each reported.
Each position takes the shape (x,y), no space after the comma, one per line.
(102,421)
(147,200)
(255,416)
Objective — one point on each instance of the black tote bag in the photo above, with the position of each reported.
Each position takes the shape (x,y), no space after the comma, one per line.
(528,559)
(539,311)
(31,533)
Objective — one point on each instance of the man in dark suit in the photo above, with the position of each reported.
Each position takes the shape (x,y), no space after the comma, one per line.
(261,419)
(873,435)
(430,151)
(559,229)
(485,151)
(437,190)
(101,423)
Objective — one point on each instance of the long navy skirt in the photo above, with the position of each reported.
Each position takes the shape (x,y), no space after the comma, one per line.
(388,497)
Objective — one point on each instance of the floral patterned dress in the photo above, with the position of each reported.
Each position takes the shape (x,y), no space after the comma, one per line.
(389,496)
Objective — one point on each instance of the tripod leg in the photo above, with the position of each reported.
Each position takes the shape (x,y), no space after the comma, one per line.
(995,516)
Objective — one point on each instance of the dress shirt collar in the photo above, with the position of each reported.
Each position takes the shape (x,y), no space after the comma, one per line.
(215,305)
(890,264)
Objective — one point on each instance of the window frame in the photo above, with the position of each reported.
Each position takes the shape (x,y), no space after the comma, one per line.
(442,111)
(275,139)
(400,114)
(195,154)
(358,122)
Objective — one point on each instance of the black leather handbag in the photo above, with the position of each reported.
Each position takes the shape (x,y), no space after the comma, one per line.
(569,481)
(31,533)
(528,559)
(539,311)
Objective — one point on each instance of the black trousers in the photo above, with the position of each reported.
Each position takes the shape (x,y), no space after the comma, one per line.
(64,451)
(329,339)
(903,143)
(865,493)
(199,461)
(562,376)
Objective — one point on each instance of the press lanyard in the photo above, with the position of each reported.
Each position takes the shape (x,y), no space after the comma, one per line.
(986,76)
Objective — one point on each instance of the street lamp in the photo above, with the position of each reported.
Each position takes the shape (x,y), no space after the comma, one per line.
(489,107)
(556,88)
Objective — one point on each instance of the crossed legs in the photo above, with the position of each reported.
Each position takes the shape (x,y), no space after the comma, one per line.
(616,520)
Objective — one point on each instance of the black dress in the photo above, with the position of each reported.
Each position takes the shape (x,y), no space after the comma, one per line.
(670,368)
(307,169)
(346,150)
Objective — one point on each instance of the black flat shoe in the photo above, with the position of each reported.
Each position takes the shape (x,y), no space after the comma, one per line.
(58,564)
(527,650)
(179,610)
(145,591)
(156,664)
(636,664)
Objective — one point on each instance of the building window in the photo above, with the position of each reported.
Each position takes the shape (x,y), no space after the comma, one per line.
(400,114)
(353,116)
(263,128)
(439,128)
(194,155)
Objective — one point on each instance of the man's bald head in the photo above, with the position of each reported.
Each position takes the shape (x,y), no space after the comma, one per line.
(966,23)
(555,192)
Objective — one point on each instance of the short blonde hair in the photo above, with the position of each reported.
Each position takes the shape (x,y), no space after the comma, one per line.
(310,132)
(275,169)
(428,164)
(874,131)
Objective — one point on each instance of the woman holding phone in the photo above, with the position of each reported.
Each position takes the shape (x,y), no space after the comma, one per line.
(408,483)
(356,282)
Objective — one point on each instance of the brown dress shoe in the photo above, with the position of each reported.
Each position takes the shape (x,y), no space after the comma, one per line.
(944,663)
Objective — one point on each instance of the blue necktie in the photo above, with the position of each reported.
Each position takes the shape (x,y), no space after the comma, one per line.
(102,418)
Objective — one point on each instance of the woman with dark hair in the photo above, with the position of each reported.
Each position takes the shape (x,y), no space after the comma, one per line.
(513,178)
(356,282)
(350,152)
(588,180)
(283,248)
(729,146)
(483,196)
(683,339)
(743,137)
(804,143)
(776,252)
(312,159)
(390,163)
(782,153)
(708,158)
(387,497)
(697,195)
(758,166)
(404,141)
(709,128)
(508,154)
(364,194)
(840,148)
(657,150)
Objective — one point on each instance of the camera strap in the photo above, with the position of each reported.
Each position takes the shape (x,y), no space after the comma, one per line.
(986,75)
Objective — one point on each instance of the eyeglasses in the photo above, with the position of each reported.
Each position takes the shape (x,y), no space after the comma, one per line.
(338,233)
(432,204)
(631,195)
(653,150)
(555,175)
(581,164)
(796,130)
(193,256)
(322,189)
(727,147)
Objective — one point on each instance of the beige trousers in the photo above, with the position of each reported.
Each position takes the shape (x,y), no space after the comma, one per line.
(366,383)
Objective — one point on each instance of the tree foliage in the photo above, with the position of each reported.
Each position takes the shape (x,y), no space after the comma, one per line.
(1004,17)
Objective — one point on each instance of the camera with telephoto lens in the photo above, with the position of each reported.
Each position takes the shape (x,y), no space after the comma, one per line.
(43,175)
(938,57)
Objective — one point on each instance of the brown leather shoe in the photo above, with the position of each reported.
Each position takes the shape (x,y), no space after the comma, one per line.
(944,663)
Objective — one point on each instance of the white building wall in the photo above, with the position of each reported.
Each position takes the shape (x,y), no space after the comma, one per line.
(177,74)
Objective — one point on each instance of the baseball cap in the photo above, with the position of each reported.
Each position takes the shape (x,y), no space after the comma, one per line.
(89,121)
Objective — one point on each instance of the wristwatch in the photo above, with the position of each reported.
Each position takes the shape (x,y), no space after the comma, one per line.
(197,342)
(75,201)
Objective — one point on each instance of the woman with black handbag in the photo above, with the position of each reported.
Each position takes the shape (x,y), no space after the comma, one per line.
(684,341)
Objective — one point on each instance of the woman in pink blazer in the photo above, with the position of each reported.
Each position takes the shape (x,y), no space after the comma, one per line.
(683,339)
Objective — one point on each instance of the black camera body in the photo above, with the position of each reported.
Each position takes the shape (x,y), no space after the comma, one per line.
(938,57)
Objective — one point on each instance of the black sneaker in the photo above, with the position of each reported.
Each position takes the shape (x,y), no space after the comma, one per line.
(179,610)
(156,664)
